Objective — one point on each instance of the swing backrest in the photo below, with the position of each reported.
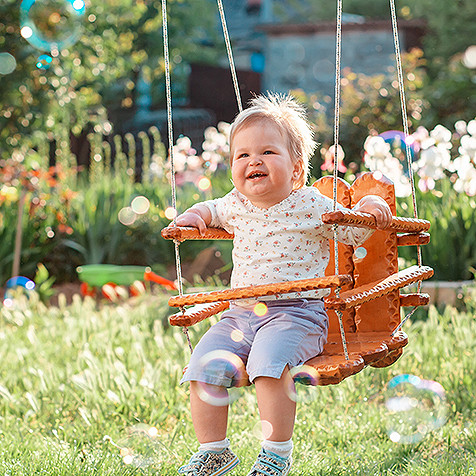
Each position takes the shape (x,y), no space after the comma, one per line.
(380,261)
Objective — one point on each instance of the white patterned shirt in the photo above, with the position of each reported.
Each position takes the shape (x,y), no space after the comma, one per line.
(284,242)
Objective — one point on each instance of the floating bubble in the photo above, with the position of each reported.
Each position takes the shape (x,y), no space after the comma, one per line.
(141,447)
(127,216)
(262,430)
(308,377)
(140,205)
(360,253)
(219,363)
(260,309)
(51,25)
(44,61)
(415,408)
(8,63)
(16,287)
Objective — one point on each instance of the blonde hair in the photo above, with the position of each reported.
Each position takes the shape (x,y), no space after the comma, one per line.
(290,118)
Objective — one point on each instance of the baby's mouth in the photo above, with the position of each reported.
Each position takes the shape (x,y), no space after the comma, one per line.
(256,175)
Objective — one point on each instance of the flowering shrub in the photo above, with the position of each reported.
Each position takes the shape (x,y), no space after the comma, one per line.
(194,168)
(437,154)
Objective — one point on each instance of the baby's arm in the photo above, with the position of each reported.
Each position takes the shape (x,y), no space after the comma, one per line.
(376,206)
(198,216)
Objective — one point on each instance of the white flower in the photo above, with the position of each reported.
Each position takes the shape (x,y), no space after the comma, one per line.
(471,128)
(460,127)
(466,181)
(468,146)
(183,144)
(433,162)
(376,147)
(441,136)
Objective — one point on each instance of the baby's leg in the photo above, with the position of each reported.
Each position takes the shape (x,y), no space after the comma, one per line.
(275,407)
(209,421)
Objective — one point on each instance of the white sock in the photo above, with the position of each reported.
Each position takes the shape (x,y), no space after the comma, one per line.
(281,448)
(215,445)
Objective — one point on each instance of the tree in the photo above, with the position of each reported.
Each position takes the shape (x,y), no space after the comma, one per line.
(95,80)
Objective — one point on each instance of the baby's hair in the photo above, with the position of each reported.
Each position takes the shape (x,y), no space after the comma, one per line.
(290,117)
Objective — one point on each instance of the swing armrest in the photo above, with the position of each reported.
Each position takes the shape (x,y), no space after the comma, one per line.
(370,291)
(261,290)
(196,314)
(182,233)
(366,220)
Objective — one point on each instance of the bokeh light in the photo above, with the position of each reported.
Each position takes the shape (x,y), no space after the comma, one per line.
(127,216)
(44,62)
(414,407)
(260,309)
(16,287)
(360,253)
(140,205)
(236,335)
(219,363)
(204,184)
(170,213)
(8,63)
(51,25)
(469,57)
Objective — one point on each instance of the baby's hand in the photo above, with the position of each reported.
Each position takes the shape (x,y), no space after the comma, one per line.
(193,218)
(377,207)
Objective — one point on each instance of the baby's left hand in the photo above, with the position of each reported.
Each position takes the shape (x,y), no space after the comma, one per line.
(378,207)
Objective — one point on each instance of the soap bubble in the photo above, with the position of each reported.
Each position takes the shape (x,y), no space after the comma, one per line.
(415,408)
(308,377)
(51,25)
(8,63)
(44,62)
(262,430)
(141,447)
(219,363)
(15,287)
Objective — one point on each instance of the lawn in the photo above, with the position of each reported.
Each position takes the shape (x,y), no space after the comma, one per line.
(81,381)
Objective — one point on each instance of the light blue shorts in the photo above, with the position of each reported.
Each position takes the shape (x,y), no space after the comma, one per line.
(290,333)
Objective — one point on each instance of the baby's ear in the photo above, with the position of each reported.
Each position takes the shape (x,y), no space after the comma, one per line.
(297,176)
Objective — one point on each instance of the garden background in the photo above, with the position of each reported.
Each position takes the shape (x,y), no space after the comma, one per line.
(79,188)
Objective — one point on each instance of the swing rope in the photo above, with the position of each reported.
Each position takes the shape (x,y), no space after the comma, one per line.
(170,136)
(408,154)
(230,55)
(337,91)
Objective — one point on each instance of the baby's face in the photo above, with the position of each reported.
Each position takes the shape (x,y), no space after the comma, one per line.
(262,168)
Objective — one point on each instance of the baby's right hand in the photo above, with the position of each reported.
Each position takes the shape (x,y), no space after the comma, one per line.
(192,218)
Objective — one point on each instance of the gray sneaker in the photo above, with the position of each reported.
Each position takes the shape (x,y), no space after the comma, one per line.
(210,463)
(270,464)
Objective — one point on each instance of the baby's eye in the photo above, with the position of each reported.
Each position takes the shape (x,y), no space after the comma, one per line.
(268,152)
(243,155)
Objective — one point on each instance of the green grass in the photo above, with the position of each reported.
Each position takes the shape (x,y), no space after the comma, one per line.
(75,379)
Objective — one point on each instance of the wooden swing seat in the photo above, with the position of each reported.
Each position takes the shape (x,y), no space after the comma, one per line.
(370,299)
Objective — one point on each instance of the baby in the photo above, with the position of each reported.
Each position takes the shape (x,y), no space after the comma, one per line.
(278,236)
